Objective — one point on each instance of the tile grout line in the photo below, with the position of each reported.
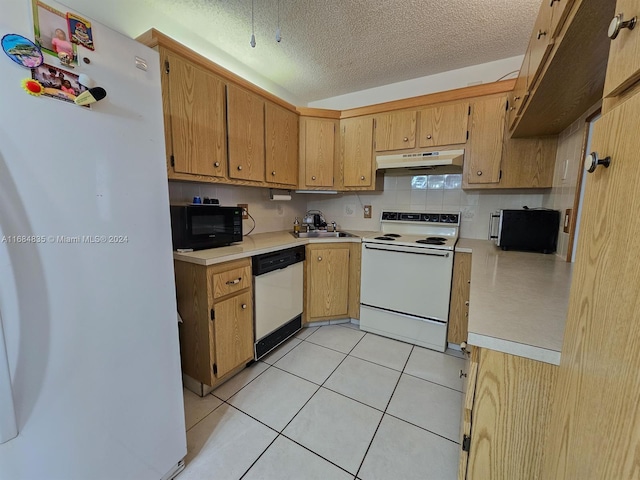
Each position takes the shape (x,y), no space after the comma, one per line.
(383,413)
(432,382)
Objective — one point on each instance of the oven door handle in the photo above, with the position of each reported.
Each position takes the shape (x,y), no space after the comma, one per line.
(397,250)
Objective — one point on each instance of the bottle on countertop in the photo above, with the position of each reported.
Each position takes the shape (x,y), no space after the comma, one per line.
(296,225)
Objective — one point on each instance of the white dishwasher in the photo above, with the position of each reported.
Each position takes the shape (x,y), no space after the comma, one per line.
(278,283)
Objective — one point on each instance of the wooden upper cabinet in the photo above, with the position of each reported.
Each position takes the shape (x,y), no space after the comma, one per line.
(245,124)
(194,118)
(445,125)
(319,152)
(559,12)
(357,152)
(281,132)
(540,44)
(528,162)
(395,131)
(623,69)
(482,159)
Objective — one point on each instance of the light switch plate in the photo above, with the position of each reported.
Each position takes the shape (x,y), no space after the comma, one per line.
(567,220)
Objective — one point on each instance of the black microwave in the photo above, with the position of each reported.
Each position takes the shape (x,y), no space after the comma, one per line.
(534,230)
(196,227)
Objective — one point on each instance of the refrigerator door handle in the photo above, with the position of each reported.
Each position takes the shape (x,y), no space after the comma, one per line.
(8,425)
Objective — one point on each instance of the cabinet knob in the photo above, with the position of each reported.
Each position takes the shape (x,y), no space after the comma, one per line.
(362,177)
(405,139)
(313,178)
(244,307)
(466,303)
(618,23)
(592,161)
(462,374)
(319,259)
(239,167)
(541,34)
(234,282)
(479,173)
(511,109)
(428,137)
(216,164)
(273,173)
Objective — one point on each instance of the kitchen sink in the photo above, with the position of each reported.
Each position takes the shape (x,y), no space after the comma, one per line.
(321,234)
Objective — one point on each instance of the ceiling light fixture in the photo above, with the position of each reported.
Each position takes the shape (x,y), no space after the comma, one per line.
(253,34)
(278,33)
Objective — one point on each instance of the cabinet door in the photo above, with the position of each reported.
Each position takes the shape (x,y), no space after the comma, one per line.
(460,286)
(528,162)
(467,411)
(395,131)
(520,93)
(281,131)
(446,125)
(559,13)
(482,162)
(596,420)
(540,44)
(196,115)
(623,68)
(245,120)
(328,282)
(511,410)
(232,333)
(319,152)
(357,152)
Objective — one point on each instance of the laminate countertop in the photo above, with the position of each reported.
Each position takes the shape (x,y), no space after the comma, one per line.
(518,302)
(258,244)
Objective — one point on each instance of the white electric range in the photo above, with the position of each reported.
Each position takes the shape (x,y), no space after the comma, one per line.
(406,277)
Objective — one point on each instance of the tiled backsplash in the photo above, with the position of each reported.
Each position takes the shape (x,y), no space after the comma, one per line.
(435,193)
(270,216)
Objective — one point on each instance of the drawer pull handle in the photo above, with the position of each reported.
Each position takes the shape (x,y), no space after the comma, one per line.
(234,282)
(244,306)
(618,23)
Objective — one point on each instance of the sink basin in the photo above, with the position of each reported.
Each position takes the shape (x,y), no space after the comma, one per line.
(321,234)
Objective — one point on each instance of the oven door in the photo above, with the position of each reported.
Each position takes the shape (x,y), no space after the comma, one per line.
(408,280)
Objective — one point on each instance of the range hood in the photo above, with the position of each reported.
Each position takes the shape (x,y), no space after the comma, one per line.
(421,163)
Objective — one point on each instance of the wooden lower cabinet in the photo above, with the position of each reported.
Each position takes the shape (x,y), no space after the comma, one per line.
(332,281)
(506,416)
(216,306)
(459,306)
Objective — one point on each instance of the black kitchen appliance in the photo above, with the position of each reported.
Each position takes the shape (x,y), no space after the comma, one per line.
(196,227)
(534,230)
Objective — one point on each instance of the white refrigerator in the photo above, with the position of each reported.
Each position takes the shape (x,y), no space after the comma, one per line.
(89,358)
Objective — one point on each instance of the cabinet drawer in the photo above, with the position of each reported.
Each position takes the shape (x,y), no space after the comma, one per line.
(231,281)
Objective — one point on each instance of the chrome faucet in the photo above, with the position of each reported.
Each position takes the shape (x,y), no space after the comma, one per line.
(335,227)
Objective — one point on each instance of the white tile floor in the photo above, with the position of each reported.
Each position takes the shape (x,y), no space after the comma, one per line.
(331,403)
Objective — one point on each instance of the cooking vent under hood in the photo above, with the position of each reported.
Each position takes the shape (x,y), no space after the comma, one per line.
(426,163)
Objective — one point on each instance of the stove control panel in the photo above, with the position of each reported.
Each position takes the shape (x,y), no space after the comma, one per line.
(448,218)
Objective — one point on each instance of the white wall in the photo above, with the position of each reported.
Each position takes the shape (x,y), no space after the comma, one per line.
(435,193)
(462,77)
(270,216)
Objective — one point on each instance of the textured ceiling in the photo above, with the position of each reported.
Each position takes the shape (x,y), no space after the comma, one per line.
(332,47)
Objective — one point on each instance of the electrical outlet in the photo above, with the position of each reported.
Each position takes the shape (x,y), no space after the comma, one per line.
(367,211)
(245,210)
